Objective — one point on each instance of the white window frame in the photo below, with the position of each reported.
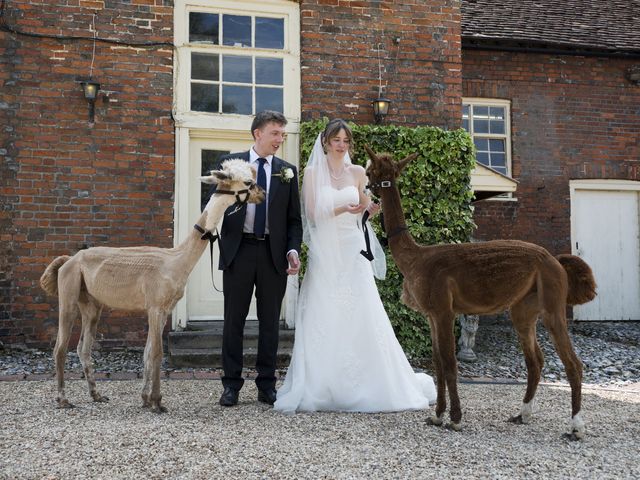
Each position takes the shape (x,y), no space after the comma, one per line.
(494,102)
(286,9)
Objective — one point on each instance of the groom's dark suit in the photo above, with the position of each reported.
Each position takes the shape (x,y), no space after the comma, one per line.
(247,262)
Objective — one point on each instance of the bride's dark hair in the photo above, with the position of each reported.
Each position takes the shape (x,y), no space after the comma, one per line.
(333,128)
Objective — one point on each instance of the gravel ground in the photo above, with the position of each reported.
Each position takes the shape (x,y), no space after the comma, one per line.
(199,439)
(610,353)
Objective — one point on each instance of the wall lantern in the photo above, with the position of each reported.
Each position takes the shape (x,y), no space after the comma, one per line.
(90,89)
(380,108)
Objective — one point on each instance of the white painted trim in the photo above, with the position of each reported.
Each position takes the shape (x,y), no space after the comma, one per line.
(180,216)
(603,184)
(201,125)
(488,102)
(182,61)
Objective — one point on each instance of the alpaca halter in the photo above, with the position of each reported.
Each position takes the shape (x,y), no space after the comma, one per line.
(240,202)
(380,184)
(237,193)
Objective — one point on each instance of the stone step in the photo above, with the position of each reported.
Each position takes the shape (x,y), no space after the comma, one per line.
(201,345)
(207,339)
(212,357)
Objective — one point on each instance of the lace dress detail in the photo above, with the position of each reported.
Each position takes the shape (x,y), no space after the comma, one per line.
(346,356)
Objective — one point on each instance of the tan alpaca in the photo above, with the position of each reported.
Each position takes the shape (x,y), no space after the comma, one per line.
(137,278)
(441,281)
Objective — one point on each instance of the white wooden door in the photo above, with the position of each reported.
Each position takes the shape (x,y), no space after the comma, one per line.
(203,301)
(606,234)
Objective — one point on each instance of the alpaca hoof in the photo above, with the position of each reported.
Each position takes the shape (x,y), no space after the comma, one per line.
(517,419)
(454,427)
(100,398)
(574,436)
(435,421)
(65,404)
(159,409)
(578,428)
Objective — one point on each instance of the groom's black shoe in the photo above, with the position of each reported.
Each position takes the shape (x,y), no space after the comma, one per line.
(267,396)
(229,397)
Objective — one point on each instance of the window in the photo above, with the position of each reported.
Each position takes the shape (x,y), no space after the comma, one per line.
(487,121)
(237,62)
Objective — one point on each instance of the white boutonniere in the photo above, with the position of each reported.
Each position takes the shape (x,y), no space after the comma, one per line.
(286,174)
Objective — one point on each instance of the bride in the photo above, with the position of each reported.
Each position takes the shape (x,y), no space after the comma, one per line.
(345,356)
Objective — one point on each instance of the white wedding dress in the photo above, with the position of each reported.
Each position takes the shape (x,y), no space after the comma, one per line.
(346,356)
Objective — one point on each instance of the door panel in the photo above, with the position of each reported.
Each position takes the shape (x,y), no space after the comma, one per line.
(607,237)
(203,302)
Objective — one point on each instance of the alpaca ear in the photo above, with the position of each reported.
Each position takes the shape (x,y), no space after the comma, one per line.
(210,179)
(371,154)
(215,177)
(403,163)
(220,175)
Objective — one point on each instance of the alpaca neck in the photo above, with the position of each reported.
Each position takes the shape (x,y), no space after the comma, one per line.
(401,243)
(191,248)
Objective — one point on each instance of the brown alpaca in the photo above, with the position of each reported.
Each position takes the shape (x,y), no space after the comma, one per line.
(137,279)
(441,281)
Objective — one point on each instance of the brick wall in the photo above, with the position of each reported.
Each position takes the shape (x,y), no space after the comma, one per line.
(65,183)
(572,117)
(421,69)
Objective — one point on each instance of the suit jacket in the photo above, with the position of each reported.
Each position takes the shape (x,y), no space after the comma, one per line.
(285,224)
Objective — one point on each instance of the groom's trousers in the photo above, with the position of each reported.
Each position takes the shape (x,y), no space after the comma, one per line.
(252,266)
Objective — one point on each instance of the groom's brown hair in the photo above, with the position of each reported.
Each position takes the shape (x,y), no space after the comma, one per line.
(267,116)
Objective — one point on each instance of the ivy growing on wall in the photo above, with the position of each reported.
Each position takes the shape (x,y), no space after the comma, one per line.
(436,199)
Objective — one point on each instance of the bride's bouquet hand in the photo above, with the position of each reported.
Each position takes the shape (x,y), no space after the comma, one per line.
(355,208)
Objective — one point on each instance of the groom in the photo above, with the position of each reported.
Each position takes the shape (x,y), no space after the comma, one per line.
(259,246)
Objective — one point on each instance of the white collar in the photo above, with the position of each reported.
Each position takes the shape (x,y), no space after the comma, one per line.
(253,157)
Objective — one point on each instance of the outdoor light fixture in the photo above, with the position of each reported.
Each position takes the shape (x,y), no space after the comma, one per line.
(90,89)
(380,104)
(380,108)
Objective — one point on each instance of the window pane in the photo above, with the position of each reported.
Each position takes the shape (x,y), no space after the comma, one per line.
(482,157)
(465,124)
(208,163)
(481,112)
(269,33)
(502,170)
(497,112)
(481,144)
(203,27)
(236,99)
(465,111)
(236,30)
(480,126)
(496,145)
(269,99)
(497,159)
(204,67)
(496,126)
(269,71)
(236,69)
(204,97)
